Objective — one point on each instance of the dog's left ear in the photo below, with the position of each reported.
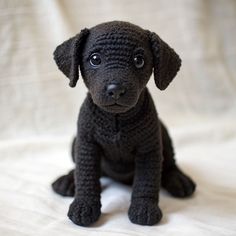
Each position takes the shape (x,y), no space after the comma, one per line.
(68,56)
(166,61)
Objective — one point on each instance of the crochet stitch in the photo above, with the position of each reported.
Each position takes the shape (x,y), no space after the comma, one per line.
(119,133)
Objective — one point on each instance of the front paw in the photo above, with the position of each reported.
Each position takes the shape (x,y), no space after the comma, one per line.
(84,212)
(144,212)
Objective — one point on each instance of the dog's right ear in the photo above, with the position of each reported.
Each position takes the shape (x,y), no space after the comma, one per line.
(68,56)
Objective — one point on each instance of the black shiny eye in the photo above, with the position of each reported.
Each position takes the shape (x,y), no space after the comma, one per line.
(95,60)
(138,61)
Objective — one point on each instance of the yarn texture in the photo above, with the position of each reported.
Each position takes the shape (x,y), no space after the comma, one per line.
(119,133)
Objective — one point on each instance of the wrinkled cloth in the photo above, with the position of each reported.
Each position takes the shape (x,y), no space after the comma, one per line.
(39,113)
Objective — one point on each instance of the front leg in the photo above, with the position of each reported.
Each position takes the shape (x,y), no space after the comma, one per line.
(144,208)
(86,207)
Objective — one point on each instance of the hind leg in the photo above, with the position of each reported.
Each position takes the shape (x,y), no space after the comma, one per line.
(173,179)
(65,185)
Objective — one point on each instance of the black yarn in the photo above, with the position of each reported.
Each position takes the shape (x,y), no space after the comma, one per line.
(126,142)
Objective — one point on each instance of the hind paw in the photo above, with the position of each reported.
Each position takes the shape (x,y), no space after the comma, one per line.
(178,184)
(65,185)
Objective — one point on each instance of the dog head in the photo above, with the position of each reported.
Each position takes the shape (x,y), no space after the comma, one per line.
(116,60)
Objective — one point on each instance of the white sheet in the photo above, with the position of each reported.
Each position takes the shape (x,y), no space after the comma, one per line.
(29,207)
(39,112)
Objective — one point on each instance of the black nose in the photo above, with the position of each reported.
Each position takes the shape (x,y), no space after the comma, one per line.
(115,91)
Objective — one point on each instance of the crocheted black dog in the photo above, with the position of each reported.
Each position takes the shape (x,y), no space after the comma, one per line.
(119,134)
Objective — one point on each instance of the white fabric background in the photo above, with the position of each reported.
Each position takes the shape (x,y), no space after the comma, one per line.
(39,112)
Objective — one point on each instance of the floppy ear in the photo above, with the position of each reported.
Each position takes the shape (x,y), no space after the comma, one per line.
(68,56)
(165,60)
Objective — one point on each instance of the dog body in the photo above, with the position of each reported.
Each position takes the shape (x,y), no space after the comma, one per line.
(119,139)
(119,133)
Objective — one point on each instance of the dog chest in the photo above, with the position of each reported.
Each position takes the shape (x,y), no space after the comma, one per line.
(115,141)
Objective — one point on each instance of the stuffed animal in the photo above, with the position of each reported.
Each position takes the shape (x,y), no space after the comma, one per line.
(119,133)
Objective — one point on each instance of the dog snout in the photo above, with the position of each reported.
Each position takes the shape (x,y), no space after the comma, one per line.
(115,90)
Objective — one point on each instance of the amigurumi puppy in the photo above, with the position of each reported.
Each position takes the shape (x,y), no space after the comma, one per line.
(119,133)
